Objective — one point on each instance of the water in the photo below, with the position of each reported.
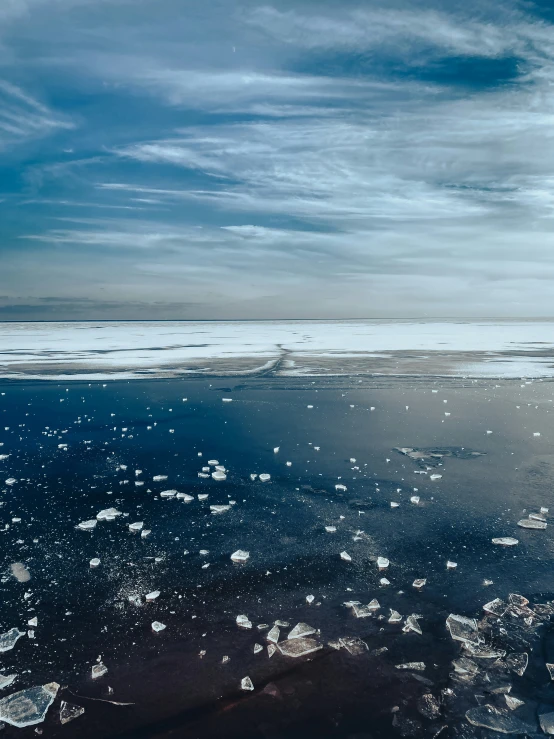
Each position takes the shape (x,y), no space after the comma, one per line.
(84,612)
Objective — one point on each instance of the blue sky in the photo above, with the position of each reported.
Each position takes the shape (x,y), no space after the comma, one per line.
(177,159)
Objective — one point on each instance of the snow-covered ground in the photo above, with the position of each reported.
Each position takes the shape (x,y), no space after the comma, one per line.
(92,350)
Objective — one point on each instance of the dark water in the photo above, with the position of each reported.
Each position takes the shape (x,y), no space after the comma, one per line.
(83,612)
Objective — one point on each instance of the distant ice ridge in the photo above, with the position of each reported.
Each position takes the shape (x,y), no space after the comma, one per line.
(129,350)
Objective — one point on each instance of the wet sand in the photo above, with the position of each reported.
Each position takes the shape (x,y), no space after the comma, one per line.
(84,612)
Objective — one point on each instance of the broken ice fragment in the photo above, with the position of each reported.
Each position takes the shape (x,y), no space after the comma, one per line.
(246,684)
(489,717)
(345,556)
(419,666)
(264,477)
(300,630)
(550,668)
(505,541)
(159,478)
(412,624)
(517,662)
(382,563)
(353,644)
(244,622)
(273,634)
(94,562)
(463,629)
(497,607)
(271,649)
(330,529)
(218,475)
(451,565)
(28,707)
(99,670)
(419,583)
(257,648)
(69,711)
(275,449)
(149,597)
(240,556)
(186,497)
(87,525)
(9,638)
(216,509)
(394,617)
(168,493)
(108,514)
(298,647)
(6,680)
(531,523)
(144,533)
(137,526)
(341,488)
(415,499)
(310,599)
(157,626)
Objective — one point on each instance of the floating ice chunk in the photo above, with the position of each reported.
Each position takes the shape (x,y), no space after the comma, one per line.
(394,504)
(9,639)
(298,647)
(6,680)
(345,556)
(227,400)
(203,496)
(3,457)
(353,644)
(213,462)
(264,477)
(273,634)
(505,541)
(168,493)
(419,666)
(495,719)
(301,630)
(240,556)
(412,624)
(157,626)
(87,525)
(258,648)
(330,529)
(159,478)
(374,605)
(517,662)
(108,514)
(244,622)
(99,670)
(415,499)
(150,597)
(536,433)
(20,572)
(225,659)
(531,523)
(537,516)
(203,474)
(220,508)
(435,476)
(253,476)
(32,621)
(137,526)
(219,475)
(463,629)
(419,582)
(497,607)
(276,449)
(94,562)
(451,565)
(382,563)
(144,533)
(395,617)
(69,711)
(309,406)
(341,487)
(28,707)
(246,683)
(310,599)
(11,481)
(289,464)
(361,611)
(185,497)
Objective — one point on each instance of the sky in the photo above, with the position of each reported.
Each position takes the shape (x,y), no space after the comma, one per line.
(180,159)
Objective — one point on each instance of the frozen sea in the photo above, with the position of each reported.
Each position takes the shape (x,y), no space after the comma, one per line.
(334,432)
(133,349)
